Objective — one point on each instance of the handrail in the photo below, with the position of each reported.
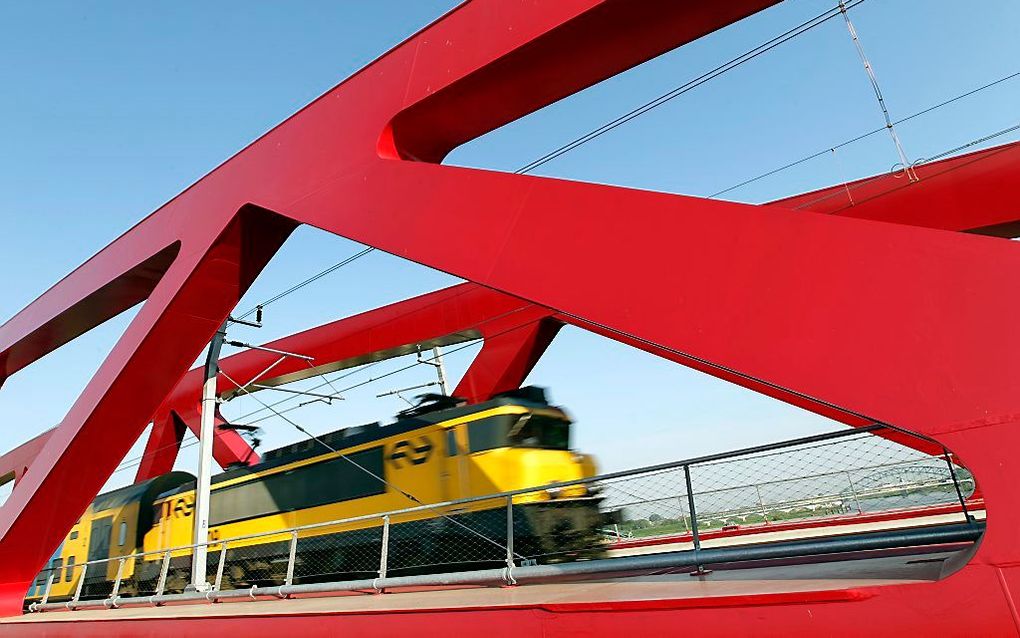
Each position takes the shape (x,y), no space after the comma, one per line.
(607,480)
(650,469)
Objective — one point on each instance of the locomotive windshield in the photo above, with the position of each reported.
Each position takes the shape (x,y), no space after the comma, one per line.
(534,430)
(524,430)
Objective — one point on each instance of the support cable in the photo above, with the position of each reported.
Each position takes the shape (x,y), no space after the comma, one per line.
(864,182)
(863,136)
(747,56)
(907,167)
(313,278)
(842,176)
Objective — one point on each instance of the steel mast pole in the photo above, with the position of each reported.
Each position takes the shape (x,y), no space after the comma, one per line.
(205,447)
(441,370)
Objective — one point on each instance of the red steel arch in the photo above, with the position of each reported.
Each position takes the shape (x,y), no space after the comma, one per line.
(905,324)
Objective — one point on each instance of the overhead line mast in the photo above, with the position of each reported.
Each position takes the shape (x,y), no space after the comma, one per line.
(203,476)
(207,431)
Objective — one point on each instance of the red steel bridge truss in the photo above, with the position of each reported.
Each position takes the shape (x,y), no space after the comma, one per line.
(897,307)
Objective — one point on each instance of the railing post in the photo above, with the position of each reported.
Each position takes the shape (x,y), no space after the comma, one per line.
(683,514)
(853,490)
(289,580)
(510,531)
(761,504)
(49,585)
(384,549)
(81,584)
(116,583)
(700,571)
(164,568)
(219,567)
(956,484)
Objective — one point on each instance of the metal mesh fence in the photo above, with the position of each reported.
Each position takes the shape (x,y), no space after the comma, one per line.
(651,504)
(853,475)
(336,554)
(471,538)
(845,476)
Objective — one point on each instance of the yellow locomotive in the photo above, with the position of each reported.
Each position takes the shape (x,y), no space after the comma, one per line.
(437,452)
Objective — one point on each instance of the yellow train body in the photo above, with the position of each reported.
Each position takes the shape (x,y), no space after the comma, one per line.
(441,477)
(500,446)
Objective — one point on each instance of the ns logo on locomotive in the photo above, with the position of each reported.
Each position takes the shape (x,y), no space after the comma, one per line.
(439,451)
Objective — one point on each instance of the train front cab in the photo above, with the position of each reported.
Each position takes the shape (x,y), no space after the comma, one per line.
(518,444)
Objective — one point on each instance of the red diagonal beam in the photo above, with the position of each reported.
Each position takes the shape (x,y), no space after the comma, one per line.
(164,443)
(939,200)
(17,461)
(969,192)
(201,283)
(507,357)
(681,252)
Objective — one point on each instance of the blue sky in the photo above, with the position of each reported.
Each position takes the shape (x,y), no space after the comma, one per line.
(113,107)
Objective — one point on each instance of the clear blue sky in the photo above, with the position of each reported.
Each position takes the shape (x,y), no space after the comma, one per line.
(110,108)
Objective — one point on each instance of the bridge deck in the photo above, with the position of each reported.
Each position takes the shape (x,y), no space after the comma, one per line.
(830,578)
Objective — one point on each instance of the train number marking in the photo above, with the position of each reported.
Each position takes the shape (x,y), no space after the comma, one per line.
(183,508)
(417,452)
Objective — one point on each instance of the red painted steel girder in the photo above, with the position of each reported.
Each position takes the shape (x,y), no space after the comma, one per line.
(970,192)
(15,463)
(164,443)
(507,359)
(899,323)
(938,201)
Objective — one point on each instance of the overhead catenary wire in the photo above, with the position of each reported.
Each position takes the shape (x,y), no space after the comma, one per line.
(362,369)
(319,275)
(869,180)
(972,143)
(366,381)
(863,136)
(733,63)
(136,461)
